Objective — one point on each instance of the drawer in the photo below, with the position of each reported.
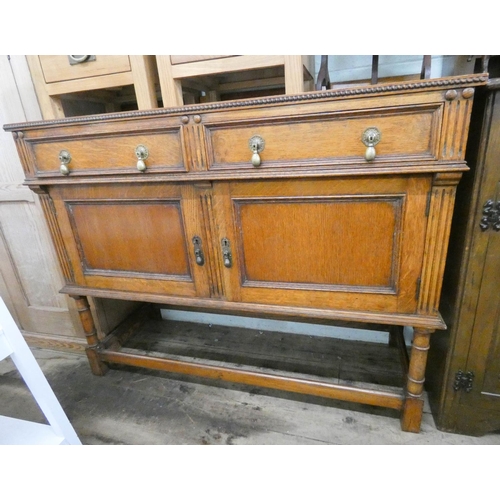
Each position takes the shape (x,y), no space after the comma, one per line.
(111,154)
(193,58)
(58,68)
(405,134)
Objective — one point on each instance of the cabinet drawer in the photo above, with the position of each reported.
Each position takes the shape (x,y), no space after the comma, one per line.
(405,134)
(58,68)
(194,58)
(115,154)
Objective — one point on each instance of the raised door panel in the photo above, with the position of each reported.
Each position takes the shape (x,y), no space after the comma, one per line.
(491,384)
(351,244)
(132,238)
(484,351)
(125,245)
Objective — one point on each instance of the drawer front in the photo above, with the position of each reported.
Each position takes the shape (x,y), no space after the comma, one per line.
(115,154)
(405,134)
(58,68)
(194,58)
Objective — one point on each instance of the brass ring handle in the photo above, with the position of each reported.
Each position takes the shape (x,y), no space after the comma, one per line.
(64,158)
(256,145)
(142,153)
(370,138)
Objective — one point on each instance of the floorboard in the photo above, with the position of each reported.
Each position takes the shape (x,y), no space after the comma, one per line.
(138,407)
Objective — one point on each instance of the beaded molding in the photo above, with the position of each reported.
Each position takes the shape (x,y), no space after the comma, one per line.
(343,92)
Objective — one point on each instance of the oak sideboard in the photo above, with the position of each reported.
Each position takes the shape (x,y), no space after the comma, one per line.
(324,206)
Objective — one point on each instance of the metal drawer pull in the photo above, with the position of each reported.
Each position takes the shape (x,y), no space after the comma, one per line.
(370,138)
(80,59)
(256,145)
(142,153)
(64,158)
(226,252)
(198,252)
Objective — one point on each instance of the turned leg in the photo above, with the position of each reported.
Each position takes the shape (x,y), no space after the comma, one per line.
(96,365)
(411,416)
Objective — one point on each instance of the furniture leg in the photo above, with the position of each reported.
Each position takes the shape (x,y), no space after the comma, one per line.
(96,365)
(393,336)
(411,416)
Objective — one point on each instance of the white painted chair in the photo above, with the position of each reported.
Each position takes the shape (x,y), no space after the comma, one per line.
(15,431)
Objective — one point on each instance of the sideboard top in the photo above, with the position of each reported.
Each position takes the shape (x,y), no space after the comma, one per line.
(340,93)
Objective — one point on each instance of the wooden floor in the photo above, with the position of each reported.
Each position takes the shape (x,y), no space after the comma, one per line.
(135,406)
(322,358)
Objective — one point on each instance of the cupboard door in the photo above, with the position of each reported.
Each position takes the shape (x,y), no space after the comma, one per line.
(132,237)
(484,351)
(350,244)
(484,357)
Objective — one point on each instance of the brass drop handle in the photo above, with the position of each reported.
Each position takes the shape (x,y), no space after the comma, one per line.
(64,158)
(370,138)
(142,153)
(198,252)
(256,145)
(226,253)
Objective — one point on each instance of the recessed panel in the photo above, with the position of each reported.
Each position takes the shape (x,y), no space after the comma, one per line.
(130,238)
(328,243)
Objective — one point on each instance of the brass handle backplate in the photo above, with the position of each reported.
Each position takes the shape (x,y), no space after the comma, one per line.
(64,158)
(226,252)
(198,252)
(256,145)
(142,153)
(370,138)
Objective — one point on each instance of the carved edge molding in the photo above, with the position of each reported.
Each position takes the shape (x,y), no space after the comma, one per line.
(51,218)
(438,230)
(215,270)
(193,146)
(308,96)
(27,161)
(454,131)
